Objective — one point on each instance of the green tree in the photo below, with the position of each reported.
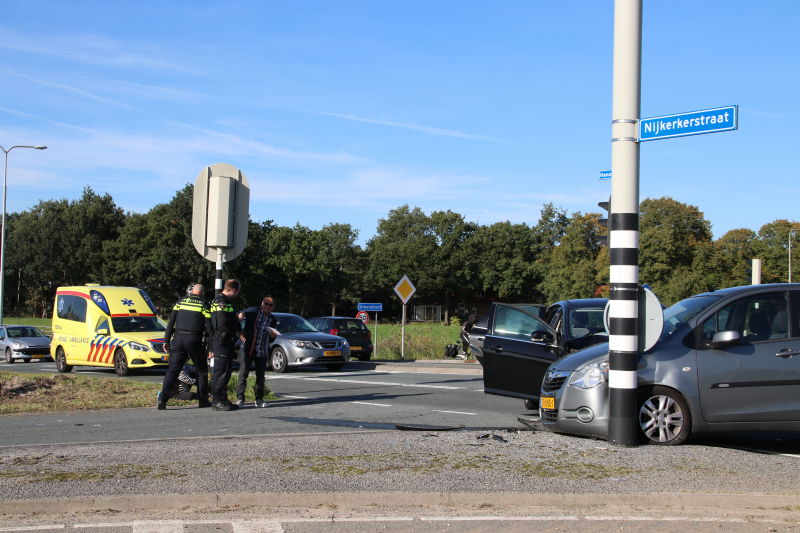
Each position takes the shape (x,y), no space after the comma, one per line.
(572,269)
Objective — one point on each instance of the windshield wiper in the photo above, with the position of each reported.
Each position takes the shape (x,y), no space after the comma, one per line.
(601,328)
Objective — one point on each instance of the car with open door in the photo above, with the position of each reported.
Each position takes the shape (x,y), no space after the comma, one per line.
(517,348)
(578,323)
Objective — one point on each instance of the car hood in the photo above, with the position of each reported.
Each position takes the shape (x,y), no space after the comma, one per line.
(573,361)
(309,336)
(30,341)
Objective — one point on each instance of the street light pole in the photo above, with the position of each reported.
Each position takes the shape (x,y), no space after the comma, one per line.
(3,237)
(790,254)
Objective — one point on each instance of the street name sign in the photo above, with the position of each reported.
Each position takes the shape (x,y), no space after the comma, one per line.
(370,307)
(405,289)
(690,123)
(605,174)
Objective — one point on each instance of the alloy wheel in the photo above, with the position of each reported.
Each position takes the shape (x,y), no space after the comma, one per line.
(661,419)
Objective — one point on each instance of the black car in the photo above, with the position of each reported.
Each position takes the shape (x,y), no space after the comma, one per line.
(578,323)
(351,329)
(515,344)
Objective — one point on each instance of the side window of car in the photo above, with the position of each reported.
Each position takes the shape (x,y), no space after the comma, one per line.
(757,318)
(512,323)
(2,334)
(103,324)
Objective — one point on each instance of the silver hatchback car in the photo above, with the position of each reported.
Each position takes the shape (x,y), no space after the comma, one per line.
(301,344)
(23,343)
(726,362)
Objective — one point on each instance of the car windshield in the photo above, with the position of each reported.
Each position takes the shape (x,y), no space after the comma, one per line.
(683,311)
(349,325)
(294,324)
(23,331)
(137,324)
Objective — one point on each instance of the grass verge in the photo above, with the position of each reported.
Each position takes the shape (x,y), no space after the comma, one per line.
(41,393)
(423,341)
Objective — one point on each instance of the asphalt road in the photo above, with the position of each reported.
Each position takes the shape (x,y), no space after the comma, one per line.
(313,400)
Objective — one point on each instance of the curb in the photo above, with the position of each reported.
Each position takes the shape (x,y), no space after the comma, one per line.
(399,499)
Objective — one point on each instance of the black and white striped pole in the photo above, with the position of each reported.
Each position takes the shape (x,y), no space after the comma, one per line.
(623,224)
(218,278)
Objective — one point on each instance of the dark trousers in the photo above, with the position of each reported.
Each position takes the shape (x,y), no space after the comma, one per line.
(223,366)
(182,348)
(244,371)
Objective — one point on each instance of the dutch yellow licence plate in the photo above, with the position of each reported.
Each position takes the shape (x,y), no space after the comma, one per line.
(355,348)
(165,358)
(547,403)
(37,356)
(331,353)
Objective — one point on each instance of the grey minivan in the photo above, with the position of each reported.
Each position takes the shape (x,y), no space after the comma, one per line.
(726,362)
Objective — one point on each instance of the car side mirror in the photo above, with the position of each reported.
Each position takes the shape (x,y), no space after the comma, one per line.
(723,339)
(543,336)
(102,331)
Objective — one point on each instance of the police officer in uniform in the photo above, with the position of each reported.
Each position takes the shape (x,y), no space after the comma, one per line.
(189,319)
(226,330)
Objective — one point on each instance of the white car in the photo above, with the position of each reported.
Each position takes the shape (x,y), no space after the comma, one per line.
(23,343)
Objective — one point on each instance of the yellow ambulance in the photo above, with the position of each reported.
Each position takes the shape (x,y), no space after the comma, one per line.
(108,327)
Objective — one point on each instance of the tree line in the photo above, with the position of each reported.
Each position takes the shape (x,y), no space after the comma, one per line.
(312,272)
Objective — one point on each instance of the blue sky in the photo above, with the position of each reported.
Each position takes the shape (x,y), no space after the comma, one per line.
(341,111)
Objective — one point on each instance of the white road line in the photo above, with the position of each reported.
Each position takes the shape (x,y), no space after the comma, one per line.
(478,390)
(32,528)
(257,526)
(296,397)
(493,518)
(165,526)
(453,412)
(382,383)
(378,404)
(661,519)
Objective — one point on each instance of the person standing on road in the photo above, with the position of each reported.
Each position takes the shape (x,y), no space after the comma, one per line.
(259,329)
(226,330)
(466,327)
(189,319)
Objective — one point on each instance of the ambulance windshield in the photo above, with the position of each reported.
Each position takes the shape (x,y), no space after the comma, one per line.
(136,324)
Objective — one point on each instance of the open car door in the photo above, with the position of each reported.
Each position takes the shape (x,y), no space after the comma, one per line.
(517,350)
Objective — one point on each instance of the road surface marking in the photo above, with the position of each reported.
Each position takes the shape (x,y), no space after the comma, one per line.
(296,397)
(453,412)
(378,404)
(384,383)
(32,528)
(492,518)
(363,519)
(257,526)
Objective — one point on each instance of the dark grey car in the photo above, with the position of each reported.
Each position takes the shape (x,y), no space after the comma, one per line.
(358,335)
(23,343)
(727,362)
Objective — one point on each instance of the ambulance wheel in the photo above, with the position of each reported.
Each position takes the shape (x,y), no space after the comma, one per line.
(279,361)
(9,359)
(61,361)
(121,364)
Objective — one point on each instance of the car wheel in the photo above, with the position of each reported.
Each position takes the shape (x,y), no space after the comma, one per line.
(28,360)
(61,361)
(335,368)
(121,364)
(9,358)
(530,405)
(279,362)
(664,417)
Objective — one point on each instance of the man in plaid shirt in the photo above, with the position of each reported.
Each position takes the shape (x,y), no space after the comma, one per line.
(259,329)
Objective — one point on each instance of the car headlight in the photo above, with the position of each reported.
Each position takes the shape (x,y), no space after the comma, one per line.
(303,344)
(19,345)
(137,346)
(590,375)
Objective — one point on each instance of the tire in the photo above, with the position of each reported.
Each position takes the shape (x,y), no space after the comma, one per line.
(664,417)
(531,405)
(9,358)
(335,368)
(121,364)
(61,361)
(28,360)
(279,361)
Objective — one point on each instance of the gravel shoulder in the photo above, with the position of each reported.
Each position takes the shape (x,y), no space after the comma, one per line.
(381,462)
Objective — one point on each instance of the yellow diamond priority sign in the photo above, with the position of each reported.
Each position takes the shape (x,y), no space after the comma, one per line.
(405,289)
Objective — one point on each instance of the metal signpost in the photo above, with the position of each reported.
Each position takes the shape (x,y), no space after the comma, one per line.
(220,215)
(377,308)
(405,290)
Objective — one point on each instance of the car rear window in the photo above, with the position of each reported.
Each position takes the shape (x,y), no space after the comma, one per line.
(348,324)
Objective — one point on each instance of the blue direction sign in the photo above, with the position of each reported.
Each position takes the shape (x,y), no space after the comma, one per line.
(370,307)
(691,123)
(605,174)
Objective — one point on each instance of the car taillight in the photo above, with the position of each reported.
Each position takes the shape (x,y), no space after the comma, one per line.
(369,334)
(334,331)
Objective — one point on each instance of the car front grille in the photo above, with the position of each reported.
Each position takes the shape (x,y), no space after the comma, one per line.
(548,416)
(331,359)
(158,361)
(158,347)
(330,345)
(554,384)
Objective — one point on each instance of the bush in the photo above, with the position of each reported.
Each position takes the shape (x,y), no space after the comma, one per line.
(455,320)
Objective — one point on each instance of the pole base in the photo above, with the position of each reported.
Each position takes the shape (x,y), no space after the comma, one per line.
(623,431)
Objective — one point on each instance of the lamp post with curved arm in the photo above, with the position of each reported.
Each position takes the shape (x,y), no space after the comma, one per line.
(790,254)
(3,237)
